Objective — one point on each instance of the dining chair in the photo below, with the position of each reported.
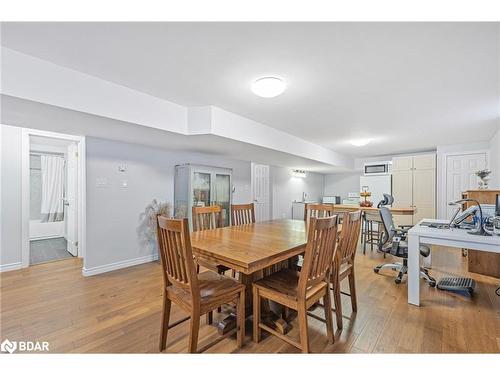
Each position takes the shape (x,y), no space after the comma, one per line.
(299,291)
(206,218)
(242,214)
(317,210)
(197,294)
(343,263)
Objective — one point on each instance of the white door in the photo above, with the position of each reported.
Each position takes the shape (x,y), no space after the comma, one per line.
(71,201)
(260,191)
(460,176)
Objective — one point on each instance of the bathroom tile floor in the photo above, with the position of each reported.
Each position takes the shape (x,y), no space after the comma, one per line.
(48,250)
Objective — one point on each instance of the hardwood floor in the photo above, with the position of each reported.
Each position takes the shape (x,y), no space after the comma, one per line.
(120,312)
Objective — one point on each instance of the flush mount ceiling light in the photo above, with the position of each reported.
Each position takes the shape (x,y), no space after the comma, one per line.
(360,142)
(268,87)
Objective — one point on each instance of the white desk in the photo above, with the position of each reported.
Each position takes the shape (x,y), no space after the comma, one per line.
(454,237)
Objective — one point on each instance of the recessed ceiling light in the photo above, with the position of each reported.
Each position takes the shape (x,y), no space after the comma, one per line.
(360,142)
(268,87)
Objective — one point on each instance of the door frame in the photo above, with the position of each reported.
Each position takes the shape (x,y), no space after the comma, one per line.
(25,190)
(442,189)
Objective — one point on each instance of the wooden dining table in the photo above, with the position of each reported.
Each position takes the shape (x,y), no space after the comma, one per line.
(251,250)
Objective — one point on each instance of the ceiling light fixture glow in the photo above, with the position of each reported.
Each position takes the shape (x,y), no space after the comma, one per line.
(268,87)
(360,142)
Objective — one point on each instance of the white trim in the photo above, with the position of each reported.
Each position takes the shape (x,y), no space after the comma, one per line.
(25,191)
(119,265)
(442,182)
(10,266)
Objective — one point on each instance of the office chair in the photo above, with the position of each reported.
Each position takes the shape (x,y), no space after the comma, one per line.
(393,241)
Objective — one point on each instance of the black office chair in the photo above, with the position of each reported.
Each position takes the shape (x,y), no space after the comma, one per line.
(393,241)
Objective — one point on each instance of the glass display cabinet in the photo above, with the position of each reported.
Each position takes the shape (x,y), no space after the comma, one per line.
(199,185)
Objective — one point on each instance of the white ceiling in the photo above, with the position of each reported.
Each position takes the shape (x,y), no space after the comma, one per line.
(409,86)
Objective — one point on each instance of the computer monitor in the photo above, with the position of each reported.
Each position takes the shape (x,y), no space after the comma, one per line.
(497,206)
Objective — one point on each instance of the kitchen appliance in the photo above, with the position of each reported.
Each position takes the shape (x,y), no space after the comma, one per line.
(352,198)
(377,185)
(331,199)
(379,168)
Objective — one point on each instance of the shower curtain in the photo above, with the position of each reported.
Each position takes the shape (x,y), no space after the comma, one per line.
(52,168)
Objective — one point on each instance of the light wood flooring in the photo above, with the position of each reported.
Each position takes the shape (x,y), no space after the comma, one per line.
(119,312)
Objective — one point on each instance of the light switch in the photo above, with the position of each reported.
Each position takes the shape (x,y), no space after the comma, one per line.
(101,182)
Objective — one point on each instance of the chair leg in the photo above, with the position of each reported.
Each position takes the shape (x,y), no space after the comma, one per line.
(302,319)
(338,304)
(240,318)
(210,317)
(352,289)
(256,314)
(327,302)
(194,327)
(164,321)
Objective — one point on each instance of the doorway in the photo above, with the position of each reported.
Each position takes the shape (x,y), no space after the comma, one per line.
(260,191)
(460,175)
(53,193)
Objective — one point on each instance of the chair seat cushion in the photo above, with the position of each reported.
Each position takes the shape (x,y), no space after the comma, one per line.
(286,283)
(212,286)
(403,250)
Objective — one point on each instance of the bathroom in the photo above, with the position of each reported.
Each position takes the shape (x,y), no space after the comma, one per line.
(52,191)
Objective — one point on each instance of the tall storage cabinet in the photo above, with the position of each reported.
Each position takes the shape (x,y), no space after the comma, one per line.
(414,185)
(198,185)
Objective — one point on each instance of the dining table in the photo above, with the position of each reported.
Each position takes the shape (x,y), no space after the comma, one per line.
(252,250)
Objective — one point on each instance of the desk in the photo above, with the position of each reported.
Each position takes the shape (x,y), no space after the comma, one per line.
(458,238)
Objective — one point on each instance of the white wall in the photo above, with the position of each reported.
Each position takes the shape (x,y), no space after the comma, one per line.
(113,211)
(342,183)
(286,189)
(10,212)
(495,160)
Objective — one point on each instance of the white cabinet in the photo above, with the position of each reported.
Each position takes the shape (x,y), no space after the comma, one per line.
(414,185)
(198,185)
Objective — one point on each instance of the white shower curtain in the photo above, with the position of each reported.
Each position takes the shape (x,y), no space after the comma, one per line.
(52,168)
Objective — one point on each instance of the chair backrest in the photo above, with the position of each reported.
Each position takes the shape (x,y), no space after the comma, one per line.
(204,218)
(319,254)
(242,214)
(389,227)
(349,236)
(317,210)
(387,201)
(176,254)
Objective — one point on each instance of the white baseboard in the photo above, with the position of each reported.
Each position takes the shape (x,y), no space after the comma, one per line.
(10,266)
(118,265)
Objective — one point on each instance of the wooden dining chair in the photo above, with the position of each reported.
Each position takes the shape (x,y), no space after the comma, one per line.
(299,291)
(343,264)
(205,218)
(197,294)
(242,214)
(317,210)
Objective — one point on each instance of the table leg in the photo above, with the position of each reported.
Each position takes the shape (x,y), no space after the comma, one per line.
(413,269)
